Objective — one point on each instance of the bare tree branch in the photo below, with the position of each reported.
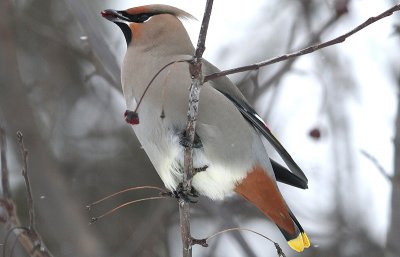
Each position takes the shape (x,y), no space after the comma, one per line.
(99,50)
(38,245)
(195,71)
(161,191)
(19,112)
(227,222)
(307,50)
(5,183)
(274,78)
(145,232)
(393,234)
(314,39)
(377,165)
(28,237)
(24,154)
(204,242)
(197,81)
(94,219)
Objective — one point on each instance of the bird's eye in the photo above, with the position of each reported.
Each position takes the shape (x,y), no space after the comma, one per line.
(142,17)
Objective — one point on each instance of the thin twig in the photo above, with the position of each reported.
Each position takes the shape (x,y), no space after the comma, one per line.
(94,219)
(144,232)
(392,247)
(86,52)
(377,165)
(8,234)
(5,182)
(314,39)
(197,81)
(37,246)
(124,191)
(103,58)
(151,81)
(274,80)
(27,236)
(13,246)
(227,221)
(237,229)
(307,50)
(204,242)
(24,154)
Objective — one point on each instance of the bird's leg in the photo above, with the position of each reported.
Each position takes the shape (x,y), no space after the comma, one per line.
(186,196)
(180,192)
(184,141)
(193,192)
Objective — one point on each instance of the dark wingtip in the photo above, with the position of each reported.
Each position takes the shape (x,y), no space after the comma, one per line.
(283,175)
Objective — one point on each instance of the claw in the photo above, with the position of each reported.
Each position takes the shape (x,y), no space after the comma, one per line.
(184,141)
(193,192)
(179,193)
(186,198)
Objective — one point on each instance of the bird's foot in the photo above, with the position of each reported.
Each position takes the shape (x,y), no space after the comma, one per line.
(185,141)
(181,193)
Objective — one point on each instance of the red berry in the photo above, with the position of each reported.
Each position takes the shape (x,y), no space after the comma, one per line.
(131,117)
(315,133)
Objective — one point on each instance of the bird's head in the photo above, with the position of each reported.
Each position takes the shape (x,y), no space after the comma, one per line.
(149,24)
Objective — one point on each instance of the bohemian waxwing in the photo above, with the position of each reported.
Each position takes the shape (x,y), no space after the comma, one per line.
(228,148)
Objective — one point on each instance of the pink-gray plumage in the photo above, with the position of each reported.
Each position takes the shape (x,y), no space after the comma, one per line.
(228,130)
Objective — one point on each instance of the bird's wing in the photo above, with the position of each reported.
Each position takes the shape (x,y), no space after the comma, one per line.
(283,175)
(296,177)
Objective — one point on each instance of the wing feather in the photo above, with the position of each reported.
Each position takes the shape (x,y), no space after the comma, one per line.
(296,177)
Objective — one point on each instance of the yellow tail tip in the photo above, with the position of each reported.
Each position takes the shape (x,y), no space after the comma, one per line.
(300,242)
(306,240)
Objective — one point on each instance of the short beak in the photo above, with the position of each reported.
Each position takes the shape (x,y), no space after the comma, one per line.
(114,16)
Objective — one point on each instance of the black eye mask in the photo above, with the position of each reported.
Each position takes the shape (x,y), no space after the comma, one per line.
(137,18)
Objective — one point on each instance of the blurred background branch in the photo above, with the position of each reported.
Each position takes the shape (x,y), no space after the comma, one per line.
(392,243)
(28,237)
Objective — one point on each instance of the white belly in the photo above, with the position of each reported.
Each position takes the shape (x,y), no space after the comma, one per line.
(167,155)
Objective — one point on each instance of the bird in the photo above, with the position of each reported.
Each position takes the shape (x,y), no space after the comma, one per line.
(228,153)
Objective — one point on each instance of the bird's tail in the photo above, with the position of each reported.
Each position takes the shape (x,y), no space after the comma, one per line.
(261,190)
(297,240)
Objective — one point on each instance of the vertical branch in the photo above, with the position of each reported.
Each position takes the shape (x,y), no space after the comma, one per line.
(5,183)
(184,217)
(34,241)
(103,59)
(197,81)
(29,238)
(393,234)
(24,154)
